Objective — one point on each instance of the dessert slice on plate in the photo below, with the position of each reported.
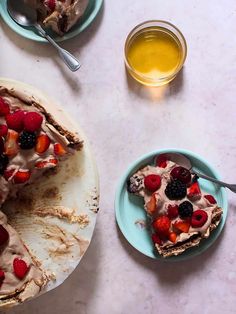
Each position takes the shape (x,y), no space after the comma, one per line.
(59,15)
(181,214)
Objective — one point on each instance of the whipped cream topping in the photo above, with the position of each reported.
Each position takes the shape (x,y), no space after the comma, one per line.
(162,201)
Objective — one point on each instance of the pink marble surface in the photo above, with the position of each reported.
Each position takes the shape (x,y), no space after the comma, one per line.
(124,120)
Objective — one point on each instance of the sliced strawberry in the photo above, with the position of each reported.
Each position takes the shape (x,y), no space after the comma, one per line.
(151,205)
(210,199)
(172,237)
(156,239)
(194,192)
(8,173)
(52,162)
(4,107)
(161,161)
(32,121)
(161,225)
(2,276)
(21,176)
(20,268)
(3,130)
(4,235)
(59,149)
(11,144)
(182,226)
(15,120)
(42,143)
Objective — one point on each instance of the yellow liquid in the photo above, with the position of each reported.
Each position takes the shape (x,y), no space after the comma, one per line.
(154,53)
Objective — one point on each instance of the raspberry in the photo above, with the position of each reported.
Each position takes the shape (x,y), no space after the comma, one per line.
(199,218)
(3,163)
(182,174)
(3,130)
(32,121)
(175,190)
(185,210)
(4,235)
(172,211)
(152,182)
(4,107)
(161,225)
(15,120)
(2,276)
(156,239)
(27,140)
(20,268)
(210,199)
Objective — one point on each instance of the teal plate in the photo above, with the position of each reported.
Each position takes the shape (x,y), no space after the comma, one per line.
(29,33)
(129,208)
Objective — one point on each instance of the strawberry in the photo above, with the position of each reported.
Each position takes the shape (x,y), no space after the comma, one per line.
(156,239)
(11,144)
(182,226)
(20,268)
(15,120)
(2,276)
(59,149)
(32,121)
(42,143)
(161,161)
(199,218)
(161,225)
(172,237)
(172,211)
(4,107)
(151,205)
(194,192)
(4,235)
(21,176)
(152,182)
(52,162)
(8,173)
(210,199)
(3,130)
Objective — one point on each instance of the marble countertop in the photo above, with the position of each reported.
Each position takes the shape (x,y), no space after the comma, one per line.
(123,120)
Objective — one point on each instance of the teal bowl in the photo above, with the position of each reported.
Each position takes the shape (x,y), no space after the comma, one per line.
(89,15)
(129,208)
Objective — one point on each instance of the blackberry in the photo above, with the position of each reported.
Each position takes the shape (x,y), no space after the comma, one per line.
(3,163)
(176,190)
(185,210)
(27,140)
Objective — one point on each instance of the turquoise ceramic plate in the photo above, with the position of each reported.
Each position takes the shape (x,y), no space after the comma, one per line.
(129,208)
(89,15)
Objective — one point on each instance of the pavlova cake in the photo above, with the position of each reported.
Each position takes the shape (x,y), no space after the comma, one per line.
(60,15)
(181,214)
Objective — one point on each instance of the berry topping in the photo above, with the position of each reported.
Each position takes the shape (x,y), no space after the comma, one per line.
(51,4)
(20,268)
(152,182)
(151,205)
(32,121)
(182,226)
(59,149)
(185,210)
(27,140)
(199,218)
(21,176)
(194,191)
(11,144)
(162,225)
(4,107)
(52,162)
(182,174)
(172,211)
(172,237)
(161,161)
(175,190)
(3,130)
(210,199)
(8,174)
(15,120)
(3,163)
(42,143)
(4,235)
(156,239)
(2,276)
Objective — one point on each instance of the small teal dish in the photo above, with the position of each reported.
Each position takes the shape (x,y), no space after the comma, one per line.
(129,208)
(89,15)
